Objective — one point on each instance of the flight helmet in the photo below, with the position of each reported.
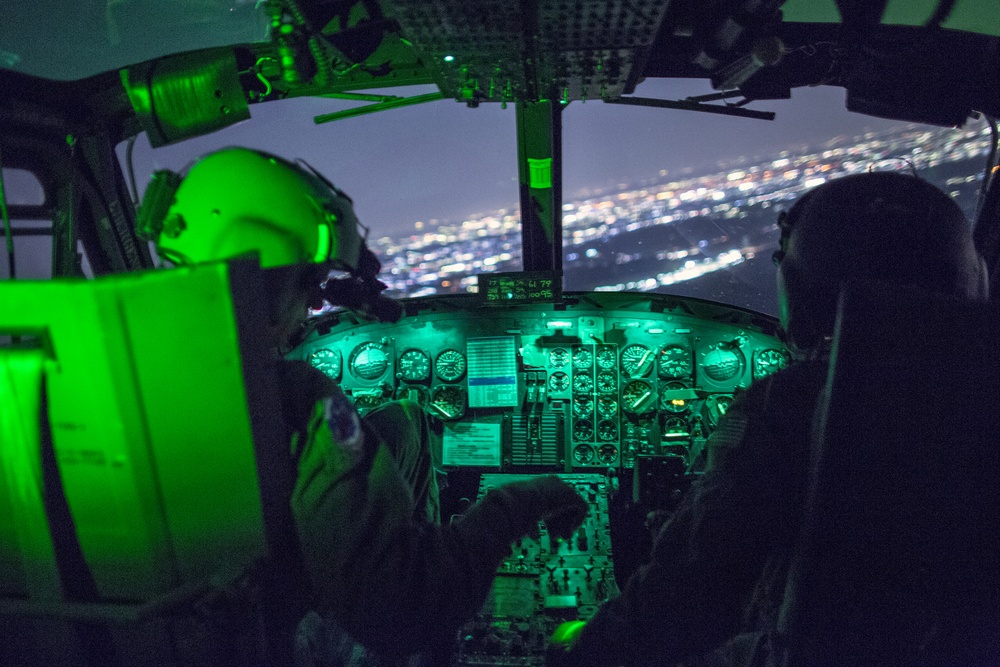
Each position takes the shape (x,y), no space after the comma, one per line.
(236,201)
(882,226)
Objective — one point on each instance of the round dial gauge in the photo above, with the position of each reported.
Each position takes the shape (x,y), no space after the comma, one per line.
(638,397)
(583,406)
(583,454)
(607,406)
(448,402)
(767,362)
(607,453)
(583,384)
(366,402)
(450,365)
(414,366)
(369,361)
(675,428)
(607,430)
(326,361)
(558,382)
(606,357)
(637,360)
(722,363)
(583,429)
(671,403)
(558,357)
(412,393)
(606,383)
(582,359)
(716,406)
(675,362)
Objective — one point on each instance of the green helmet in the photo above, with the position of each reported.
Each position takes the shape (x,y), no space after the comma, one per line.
(236,201)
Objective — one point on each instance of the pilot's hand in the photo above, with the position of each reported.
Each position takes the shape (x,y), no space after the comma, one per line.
(557,503)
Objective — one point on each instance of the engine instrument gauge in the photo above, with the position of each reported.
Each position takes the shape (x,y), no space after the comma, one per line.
(637,360)
(583,430)
(326,361)
(450,365)
(369,361)
(607,430)
(638,397)
(448,402)
(558,357)
(606,357)
(583,359)
(583,406)
(606,383)
(675,362)
(669,402)
(767,362)
(414,366)
(558,382)
(607,407)
(607,453)
(583,384)
(583,454)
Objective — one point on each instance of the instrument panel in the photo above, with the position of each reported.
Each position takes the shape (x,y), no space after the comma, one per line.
(590,382)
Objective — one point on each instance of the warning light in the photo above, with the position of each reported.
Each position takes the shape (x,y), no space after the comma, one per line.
(449,59)
(678,402)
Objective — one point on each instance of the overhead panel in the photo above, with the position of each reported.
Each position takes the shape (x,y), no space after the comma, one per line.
(508,50)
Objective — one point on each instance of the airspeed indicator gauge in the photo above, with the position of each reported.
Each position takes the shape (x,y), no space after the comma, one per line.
(414,366)
(326,361)
(450,365)
(637,360)
(369,361)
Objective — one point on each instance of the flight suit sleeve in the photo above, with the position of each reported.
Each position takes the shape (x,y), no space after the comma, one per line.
(395,583)
(692,593)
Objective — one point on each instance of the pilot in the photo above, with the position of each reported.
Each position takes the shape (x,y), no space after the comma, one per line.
(383,570)
(718,565)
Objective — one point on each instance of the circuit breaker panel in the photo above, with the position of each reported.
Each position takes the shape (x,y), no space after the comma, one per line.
(542,583)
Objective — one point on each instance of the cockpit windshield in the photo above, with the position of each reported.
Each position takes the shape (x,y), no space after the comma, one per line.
(654,200)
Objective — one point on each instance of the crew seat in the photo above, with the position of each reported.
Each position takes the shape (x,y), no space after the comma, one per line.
(144,473)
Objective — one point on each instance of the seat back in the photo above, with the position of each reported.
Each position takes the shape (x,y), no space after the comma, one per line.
(143,465)
(899,561)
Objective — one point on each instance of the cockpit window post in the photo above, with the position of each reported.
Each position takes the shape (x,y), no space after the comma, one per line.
(539,166)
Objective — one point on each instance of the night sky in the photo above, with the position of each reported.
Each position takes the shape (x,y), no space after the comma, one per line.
(444,161)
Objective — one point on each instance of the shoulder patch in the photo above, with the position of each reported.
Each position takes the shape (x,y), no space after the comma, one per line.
(343,421)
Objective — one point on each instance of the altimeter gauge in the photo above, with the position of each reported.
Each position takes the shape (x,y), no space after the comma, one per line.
(414,366)
(675,362)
